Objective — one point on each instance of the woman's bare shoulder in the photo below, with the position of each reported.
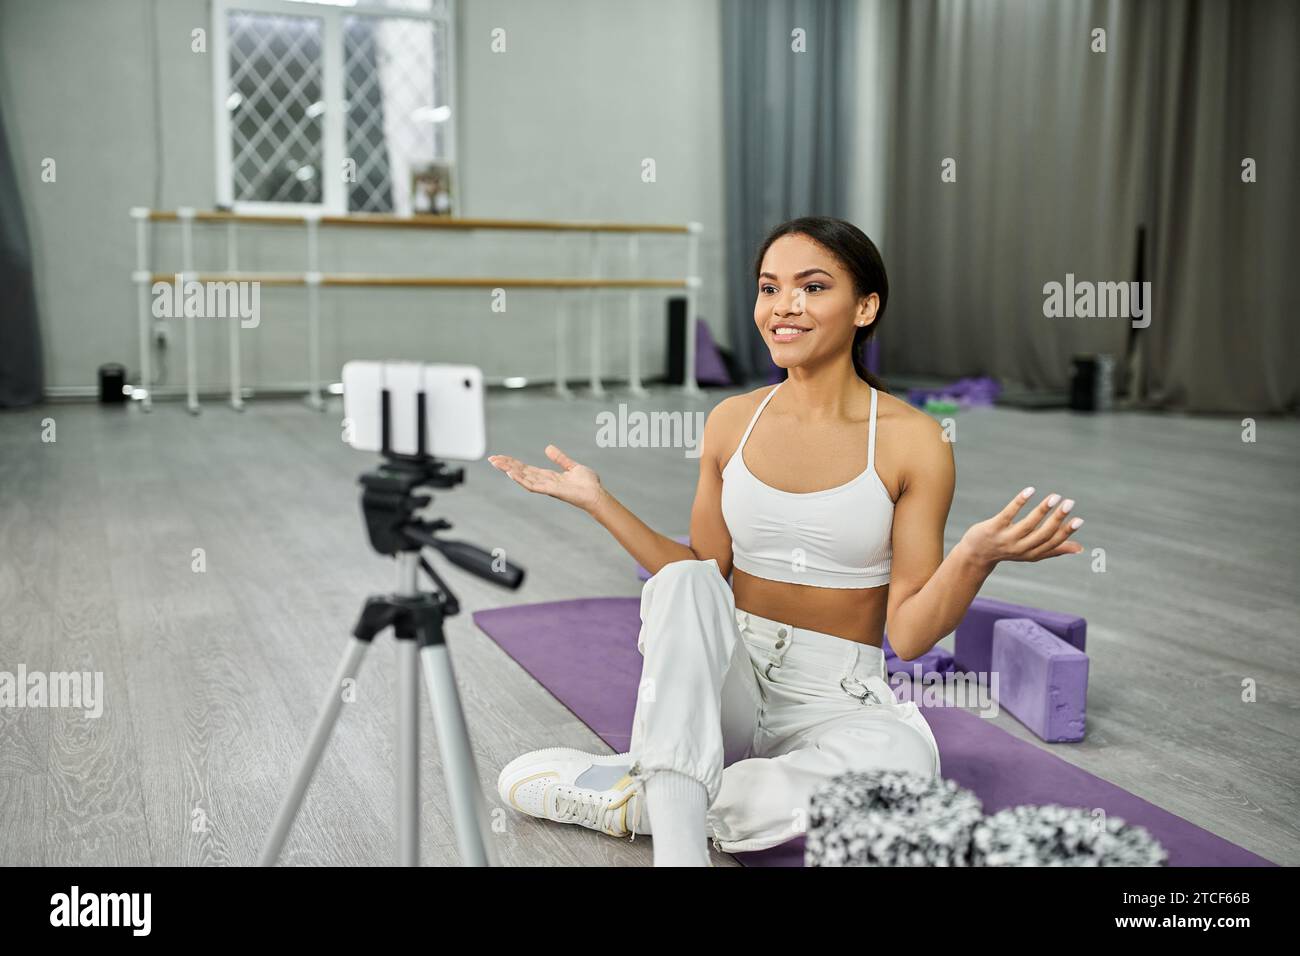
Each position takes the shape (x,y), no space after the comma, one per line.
(905,420)
(909,438)
(729,418)
(742,404)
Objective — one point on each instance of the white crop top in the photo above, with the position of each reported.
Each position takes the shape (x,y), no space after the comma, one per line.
(836,538)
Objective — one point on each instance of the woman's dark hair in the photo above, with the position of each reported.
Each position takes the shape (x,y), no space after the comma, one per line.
(859,255)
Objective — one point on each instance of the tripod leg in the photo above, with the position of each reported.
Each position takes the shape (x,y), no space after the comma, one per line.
(320,735)
(408,754)
(467,808)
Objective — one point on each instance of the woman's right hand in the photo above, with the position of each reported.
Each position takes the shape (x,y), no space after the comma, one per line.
(577,484)
(1002,538)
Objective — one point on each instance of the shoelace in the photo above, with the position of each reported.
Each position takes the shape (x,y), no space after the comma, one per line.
(583,806)
(638,797)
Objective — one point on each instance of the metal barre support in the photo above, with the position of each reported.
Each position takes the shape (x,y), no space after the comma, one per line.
(690,386)
(633,326)
(186,217)
(597,389)
(142,277)
(313,315)
(232,263)
(561,345)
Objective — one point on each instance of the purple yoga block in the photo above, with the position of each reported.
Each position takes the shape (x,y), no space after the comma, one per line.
(973,645)
(1042,680)
(644,575)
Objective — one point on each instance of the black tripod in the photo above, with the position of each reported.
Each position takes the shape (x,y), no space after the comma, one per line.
(389,503)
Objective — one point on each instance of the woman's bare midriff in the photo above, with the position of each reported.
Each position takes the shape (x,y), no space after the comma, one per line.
(856,614)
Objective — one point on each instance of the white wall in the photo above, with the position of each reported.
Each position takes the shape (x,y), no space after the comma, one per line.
(556,127)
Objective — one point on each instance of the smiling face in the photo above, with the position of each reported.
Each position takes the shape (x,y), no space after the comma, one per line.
(807,309)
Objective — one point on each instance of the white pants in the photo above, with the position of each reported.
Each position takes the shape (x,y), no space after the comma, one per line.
(758,711)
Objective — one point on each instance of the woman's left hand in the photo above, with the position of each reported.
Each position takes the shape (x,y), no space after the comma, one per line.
(1003,538)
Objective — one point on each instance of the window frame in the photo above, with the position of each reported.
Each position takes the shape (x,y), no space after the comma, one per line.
(333,132)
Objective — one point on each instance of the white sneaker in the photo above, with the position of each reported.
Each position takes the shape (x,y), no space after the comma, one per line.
(570,786)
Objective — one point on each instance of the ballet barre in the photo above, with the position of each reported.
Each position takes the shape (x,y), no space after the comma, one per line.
(312,279)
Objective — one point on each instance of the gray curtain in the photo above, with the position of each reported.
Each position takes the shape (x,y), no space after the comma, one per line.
(787,117)
(1224,250)
(1048,140)
(22,373)
(1061,154)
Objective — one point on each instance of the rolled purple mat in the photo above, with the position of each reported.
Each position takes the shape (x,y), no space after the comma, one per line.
(970,392)
(709,367)
(933,663)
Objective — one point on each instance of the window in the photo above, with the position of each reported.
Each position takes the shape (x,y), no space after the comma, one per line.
(341,107)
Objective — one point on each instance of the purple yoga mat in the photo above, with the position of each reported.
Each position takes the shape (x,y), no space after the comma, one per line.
(584,652)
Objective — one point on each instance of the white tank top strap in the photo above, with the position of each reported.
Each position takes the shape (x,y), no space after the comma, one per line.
(871,434)
(754,421)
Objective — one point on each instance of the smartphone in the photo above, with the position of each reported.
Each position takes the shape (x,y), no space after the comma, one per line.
(452,396)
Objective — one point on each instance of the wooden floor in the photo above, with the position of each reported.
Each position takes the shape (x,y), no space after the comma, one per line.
(212,678)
